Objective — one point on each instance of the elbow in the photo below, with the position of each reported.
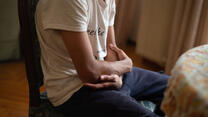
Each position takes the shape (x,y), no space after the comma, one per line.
(90,74)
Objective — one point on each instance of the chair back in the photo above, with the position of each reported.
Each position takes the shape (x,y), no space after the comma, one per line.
(31,49)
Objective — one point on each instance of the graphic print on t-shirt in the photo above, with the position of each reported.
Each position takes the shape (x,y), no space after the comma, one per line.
(97,38)
(98,31)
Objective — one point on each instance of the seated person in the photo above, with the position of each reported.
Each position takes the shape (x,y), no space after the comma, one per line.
(85,73)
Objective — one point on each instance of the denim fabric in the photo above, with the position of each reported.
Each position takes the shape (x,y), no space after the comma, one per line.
(139,84)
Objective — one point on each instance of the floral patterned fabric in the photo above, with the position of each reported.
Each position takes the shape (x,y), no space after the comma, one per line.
(187,91)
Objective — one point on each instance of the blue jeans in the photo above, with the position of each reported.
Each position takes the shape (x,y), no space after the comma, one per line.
(139,84)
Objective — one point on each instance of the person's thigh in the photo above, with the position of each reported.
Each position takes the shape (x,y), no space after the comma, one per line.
(104,103)
(145,84)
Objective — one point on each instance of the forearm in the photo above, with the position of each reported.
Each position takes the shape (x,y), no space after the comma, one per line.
(116,67)
(88,68)
(105,68)
(112,65)
(111,55)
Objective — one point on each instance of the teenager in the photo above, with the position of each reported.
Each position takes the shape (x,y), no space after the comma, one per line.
(85,73)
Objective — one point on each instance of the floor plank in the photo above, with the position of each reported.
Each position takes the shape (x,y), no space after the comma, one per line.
(13,90)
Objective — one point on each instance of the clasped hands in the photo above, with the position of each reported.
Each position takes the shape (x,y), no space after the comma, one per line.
(112,81)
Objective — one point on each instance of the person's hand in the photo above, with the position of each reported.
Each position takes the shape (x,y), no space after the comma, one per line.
(122,56)
(111,55)
(107,82)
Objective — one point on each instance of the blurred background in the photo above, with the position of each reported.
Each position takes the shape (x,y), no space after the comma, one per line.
(162,30)
(154,33)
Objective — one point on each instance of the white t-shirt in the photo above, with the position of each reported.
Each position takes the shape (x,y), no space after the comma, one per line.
(94,16)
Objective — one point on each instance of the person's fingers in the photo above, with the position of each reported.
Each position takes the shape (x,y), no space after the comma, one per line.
(106,81)
(109,85)
(101,85)
(94,86)
(115,75)
(102,76)
(107,78)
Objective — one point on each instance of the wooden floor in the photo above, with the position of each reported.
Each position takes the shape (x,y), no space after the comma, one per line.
(14,87)
(13,90)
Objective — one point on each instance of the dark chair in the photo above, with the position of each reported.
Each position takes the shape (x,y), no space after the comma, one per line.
(39,105)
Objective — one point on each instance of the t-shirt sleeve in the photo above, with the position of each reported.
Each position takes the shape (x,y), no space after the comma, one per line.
(112,13)
(69,15)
